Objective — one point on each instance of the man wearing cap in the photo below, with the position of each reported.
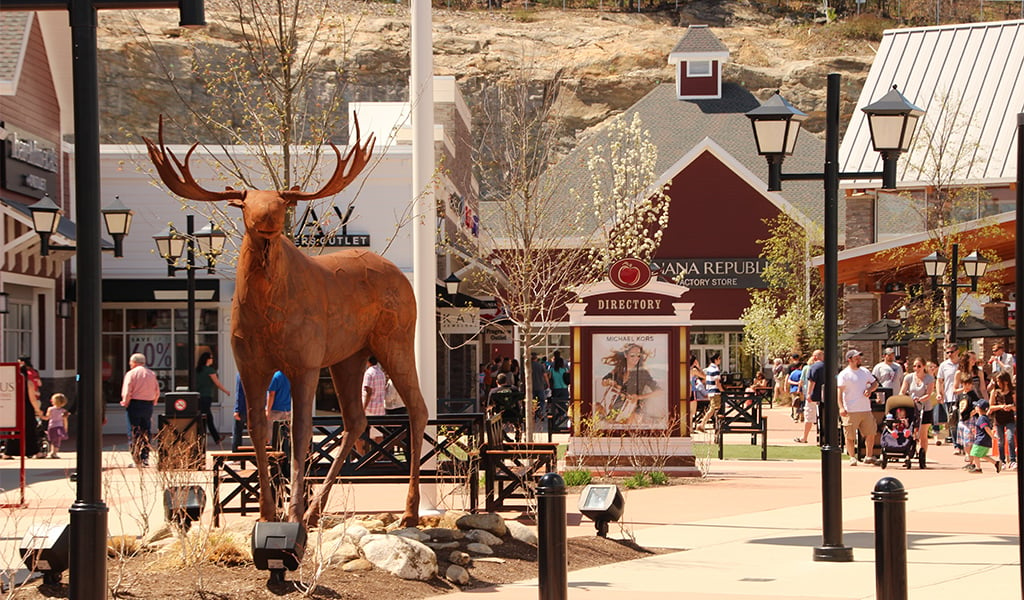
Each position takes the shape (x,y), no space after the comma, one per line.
(856,384)
(889,373)
(945,383)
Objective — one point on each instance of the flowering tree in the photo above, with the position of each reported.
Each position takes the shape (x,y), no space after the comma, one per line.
(544,239)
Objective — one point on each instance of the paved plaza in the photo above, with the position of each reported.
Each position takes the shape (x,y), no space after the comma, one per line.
(745,532)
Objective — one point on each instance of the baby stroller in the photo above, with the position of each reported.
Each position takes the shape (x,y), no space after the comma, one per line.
(899,430)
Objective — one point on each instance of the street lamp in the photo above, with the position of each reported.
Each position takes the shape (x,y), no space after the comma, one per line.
(776,125)
(170,243)
(451,284)
(974,266)
(46,219)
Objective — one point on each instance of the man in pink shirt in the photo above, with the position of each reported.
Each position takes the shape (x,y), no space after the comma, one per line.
(139,392)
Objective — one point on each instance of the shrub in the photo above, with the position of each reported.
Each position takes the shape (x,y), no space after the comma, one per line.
(659,478)
(637,480)
(864,27)
(577,477)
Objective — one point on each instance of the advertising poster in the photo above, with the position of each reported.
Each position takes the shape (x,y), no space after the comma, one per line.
(630,378)
(9,396)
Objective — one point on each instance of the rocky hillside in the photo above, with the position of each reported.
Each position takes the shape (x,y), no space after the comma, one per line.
(609,59)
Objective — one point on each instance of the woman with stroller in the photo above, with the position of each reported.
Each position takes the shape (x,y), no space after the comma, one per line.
(919,384)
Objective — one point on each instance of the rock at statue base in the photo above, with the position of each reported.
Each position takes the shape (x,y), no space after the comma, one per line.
(478,548)
(458,557)
(359,564)
(450,518)
(457,575)
(400,556)
(483,537)
(486,521)
(523,533)
(441,534)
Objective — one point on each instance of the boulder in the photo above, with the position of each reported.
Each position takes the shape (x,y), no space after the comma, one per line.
(450,518)
(441,534)
(484,537)
(373,525)
(343,552)
(400,556)
(442,545)
(478,548)
(486,521)
(355,533)
(458,557)
(523,533)
(413,533)
(359,564)
(457,575)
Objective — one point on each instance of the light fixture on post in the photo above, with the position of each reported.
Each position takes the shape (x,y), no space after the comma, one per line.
(277,547)
(46,217)
(903,312)
(47,549)
(602,504)
(774,133)
(64,308)
(451,284)
(892,120)
(974,266)
(184,504)
(209,242)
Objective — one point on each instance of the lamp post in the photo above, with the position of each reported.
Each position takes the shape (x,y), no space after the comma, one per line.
(974,266)
(46,217)
(1019,279)
(209,241)
(88,579)
(776,124)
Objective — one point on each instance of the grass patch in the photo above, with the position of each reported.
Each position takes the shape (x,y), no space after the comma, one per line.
(746,451)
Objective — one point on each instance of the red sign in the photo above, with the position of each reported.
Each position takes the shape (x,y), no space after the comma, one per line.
(629,274)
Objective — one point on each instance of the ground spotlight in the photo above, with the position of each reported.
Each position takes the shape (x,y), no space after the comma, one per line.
(184,504)
(47,550)
(277,547)
(602,503)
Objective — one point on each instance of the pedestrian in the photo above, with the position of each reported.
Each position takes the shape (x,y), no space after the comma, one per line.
(982,440)
(539,384)
(279,411)
(856,384)
(1001,360)
(559,375)
(946,384)
(966,398)
(240,414)
(888,372)
(28,445)
(140,390)
(919,384)
(207,385)
(375,383)
(57,422)
(713,385)
(1001,411)
(815,383)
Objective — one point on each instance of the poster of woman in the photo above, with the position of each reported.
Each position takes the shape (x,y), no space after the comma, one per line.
(630,374)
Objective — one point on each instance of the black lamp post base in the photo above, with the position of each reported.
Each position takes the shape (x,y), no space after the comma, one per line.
(833,554)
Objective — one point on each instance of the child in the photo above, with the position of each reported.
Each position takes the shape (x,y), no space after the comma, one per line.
(901,423)
(982,439)
(57,415)
(967,397)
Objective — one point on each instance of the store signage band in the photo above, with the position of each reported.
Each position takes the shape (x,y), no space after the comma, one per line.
(30,164)
(464,321)
(718,273)
(310,232)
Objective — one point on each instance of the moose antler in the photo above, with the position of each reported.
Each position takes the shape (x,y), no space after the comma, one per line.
(354,161)
(184,184)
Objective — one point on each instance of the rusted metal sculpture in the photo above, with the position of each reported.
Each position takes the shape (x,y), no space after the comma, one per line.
(299,313)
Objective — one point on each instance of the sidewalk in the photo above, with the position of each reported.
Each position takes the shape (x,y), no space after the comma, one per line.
(746,531)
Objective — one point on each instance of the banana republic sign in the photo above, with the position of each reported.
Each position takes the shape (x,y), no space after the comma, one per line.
(715,273)
(29,164)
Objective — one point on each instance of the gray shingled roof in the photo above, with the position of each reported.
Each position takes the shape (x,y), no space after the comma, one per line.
(698,39)
(13,26)
(678,126)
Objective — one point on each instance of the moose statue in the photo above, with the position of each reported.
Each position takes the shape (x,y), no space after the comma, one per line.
(298,314)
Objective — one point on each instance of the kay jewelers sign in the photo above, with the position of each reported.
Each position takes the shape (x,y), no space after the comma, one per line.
(9,395)
(459,320)
(696,273)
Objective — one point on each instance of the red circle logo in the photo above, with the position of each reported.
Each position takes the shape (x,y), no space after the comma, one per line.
(629,274)
(180,405)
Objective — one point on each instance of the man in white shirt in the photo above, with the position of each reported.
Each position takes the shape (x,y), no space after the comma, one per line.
(945,383)
(856,384)
(1001,360)
(889,373)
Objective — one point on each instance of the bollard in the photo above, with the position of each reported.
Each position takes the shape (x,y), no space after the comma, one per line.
(890,498)
(552,549)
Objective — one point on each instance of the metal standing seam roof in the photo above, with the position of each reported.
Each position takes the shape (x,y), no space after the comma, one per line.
(970,80)
(14,31)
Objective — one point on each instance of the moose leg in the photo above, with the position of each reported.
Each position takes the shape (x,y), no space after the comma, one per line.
(401,367)
(255,385)
(303,397)
(347,377)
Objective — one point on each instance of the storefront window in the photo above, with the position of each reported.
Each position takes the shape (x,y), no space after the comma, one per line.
(18,331)
(161,338)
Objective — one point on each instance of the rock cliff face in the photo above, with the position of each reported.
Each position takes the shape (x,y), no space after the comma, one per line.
(609,60)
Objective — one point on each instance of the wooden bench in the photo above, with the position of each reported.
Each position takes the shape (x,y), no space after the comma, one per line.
(511,469)
(237,471)
(741,412)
